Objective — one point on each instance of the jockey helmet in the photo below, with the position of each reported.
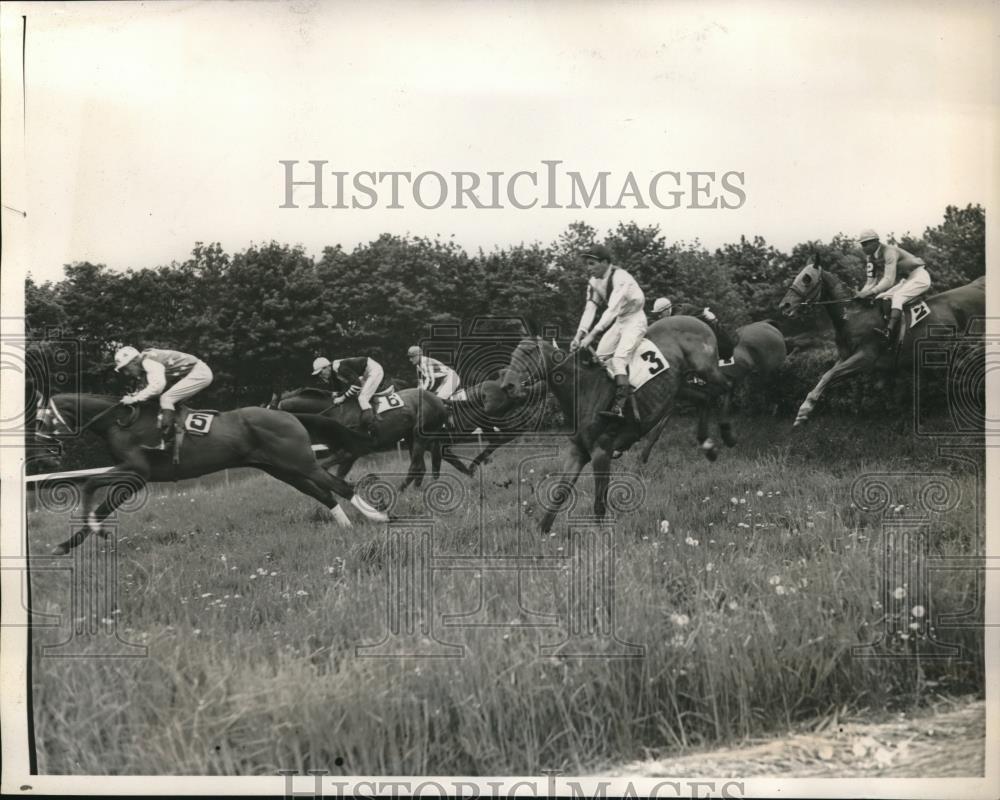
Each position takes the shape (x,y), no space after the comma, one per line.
(124,356)
(597,253)
(414,351)
(320,364)
(662,304)
(867,235)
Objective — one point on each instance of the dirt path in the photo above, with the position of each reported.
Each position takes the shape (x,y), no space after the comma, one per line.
(946,741)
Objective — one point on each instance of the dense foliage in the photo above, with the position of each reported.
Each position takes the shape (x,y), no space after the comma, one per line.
(259,317)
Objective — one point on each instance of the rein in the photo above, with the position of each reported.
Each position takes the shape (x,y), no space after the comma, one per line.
(135,414)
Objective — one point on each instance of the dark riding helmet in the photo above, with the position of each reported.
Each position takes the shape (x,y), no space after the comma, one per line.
(597,253)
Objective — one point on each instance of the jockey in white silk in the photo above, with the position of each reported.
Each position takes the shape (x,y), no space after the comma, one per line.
(887,263)
(170,374)
(432,375)
(623,324)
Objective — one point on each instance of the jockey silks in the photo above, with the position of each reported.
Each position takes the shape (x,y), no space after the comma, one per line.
(175,363)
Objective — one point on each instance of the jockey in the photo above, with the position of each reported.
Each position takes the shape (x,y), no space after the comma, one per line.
(359,377)
(662,308)
(623,323)
(892,262)
(172,375)
(432,375)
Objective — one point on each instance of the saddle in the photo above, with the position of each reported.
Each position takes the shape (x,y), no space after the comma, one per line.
(915,311)
(197,421)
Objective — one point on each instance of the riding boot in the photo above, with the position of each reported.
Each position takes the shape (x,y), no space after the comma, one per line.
(890,330)
(621,395)
(167,416)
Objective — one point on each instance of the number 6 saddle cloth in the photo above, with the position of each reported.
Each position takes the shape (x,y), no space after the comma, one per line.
(647,362)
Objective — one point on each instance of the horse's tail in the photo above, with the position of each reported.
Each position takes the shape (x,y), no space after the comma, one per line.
(323,430)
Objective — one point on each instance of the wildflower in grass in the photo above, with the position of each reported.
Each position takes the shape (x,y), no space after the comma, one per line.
(302,593)
(779,589)
(743,501)
(691,541)
(774,580)
(918,611)
(760,493)
(734,501)
(274,574)
(914,626)
(733,605)
(899,593)
(664,527)
(678,640)
(207,594)
(680,620)
(709,566)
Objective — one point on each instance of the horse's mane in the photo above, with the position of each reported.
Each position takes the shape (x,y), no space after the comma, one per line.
(837,287)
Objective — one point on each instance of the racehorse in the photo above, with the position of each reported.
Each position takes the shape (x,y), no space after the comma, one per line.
(583,389)
(859,348)
(759,350)
(486,413)
(420,415)
(272,441)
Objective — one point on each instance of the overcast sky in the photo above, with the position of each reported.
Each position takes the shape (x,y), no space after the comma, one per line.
(151,127)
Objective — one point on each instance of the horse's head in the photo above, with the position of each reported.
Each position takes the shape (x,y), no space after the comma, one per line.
(54,419)
(804,289)
(528,364)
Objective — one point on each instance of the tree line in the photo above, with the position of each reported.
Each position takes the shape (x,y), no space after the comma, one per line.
(259,316)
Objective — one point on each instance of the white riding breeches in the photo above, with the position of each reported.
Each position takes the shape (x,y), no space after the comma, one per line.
(370,386)
(620,340)
(448,386)
(197,379)
(918,282)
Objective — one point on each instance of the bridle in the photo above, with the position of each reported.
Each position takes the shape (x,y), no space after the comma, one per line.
(61,428)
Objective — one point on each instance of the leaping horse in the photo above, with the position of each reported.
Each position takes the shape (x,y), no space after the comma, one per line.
(859,348)
(583,389)
(272,441)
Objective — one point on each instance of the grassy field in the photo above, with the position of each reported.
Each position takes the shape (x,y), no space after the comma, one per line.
(747,604)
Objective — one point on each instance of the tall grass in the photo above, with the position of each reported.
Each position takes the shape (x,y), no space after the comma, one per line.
(252,602)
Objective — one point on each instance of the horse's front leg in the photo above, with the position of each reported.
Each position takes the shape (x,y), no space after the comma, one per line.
(726,422)
(123,482)
(574,462)
(601,461)
(861,361)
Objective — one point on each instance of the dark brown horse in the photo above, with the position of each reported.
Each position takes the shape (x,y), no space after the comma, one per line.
(760,351)
(272,441)
(584,389)
(859,348)
(419,420)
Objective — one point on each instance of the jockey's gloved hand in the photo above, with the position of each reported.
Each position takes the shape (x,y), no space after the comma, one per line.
(338,399)
(129,400)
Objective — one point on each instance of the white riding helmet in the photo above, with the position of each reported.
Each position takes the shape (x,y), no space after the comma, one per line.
(125,355)
(320,364)
(867,235)
(662,304)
